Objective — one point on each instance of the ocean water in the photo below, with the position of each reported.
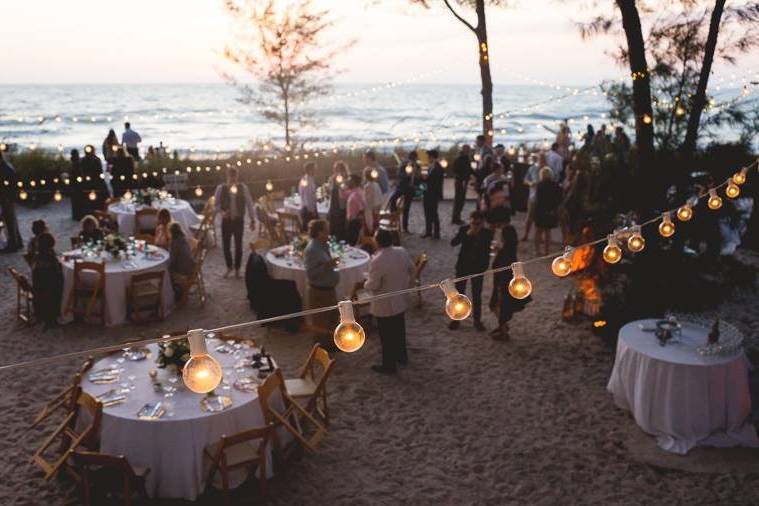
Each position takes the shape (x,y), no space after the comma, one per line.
(209,117)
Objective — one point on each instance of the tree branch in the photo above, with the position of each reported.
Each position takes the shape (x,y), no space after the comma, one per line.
(459,17)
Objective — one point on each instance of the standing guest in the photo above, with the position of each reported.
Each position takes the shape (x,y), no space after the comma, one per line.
(555,162)
(408,173)
(462,172)
(75,185)
(563,141)
(483,149)
(485,169)
(568,208)
(433,194)
(354,209)
(8,195)
(38,227)
(374,198)
(232,199)
(547,201)
(47,281)
(162,236)
(181,264)
(90,231)
(390,270)
(336,213)
(621,146)
(499,155)
(131,140)
(473,258)
(322,280)
(600,143)
(92,181)
(370,160)
(122,172)
(110,145)
(531,180)
(307,191)
(587,138)
(488,189)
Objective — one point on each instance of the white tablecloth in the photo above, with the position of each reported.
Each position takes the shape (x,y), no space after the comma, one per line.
(180,211)
(679,396)
(172,446)
(118,276)
(352,269)
(292,205)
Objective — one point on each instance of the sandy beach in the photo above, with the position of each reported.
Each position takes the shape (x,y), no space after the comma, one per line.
(469,421)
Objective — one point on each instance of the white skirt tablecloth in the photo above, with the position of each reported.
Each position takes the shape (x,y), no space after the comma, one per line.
(180,211)
(679,396)
(118,277)
(352,269)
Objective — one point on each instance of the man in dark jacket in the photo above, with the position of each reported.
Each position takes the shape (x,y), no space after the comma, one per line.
(408,174)
(433,194)
(462,172)
(8,193)
(474,257)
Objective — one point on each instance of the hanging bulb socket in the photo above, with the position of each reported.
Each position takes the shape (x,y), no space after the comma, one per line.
(636,242)
(57,196)
(457,305)
(349,336)
(666,227)
(612,252)
(519,287)
(715,201)
(685,212)
(562,265)
(198,191)
(740,177)
(269,186)
(202,373)
(733,190)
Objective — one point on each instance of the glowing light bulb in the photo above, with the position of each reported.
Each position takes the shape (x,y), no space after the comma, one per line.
(409,169)
(457,305)
(740,177)
(612,252)
(715,201)
(680,110)
(3,147)
(202,373)
(88,149)
(476,157)
(519,286)
(666,227)
(685,213)
(444,163)
(636,242)
(78,179)
(349,336)
(233,189)
(339,179)
(562,266)
(374,174)
(127,195)
(732,190)
(269,186)
(92,195)
(647,119)
(114,148)
(303,183)
(23,195)
(198,191)
(57,196)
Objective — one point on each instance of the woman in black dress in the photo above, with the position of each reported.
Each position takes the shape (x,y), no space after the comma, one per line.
(547,202)
(122,172)
(47,281)
(77,210)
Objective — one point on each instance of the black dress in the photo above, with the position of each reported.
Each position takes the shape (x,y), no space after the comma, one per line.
(547,201)
(501,301)
(47,285)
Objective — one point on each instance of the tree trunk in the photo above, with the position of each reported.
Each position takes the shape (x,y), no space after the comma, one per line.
(699,100)
(485,77)
(636,49)
(287,122)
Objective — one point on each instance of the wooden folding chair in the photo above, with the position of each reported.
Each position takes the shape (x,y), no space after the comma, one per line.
(24,297)
(262,244)
(71,439)
(309,388)
(391,221)
(194,283)
(145,295)
(244,449)
(419,265)
(268,227)
(66,400)
(290,225)
(106,222)
(205,231)
(92,292)
(109,473)
(289,418)
(145,221)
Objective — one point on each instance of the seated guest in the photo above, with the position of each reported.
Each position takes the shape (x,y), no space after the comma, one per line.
(271,297)
(322,280)
(162,236)
(47,281)
(181,263)
(38,227)
(90,230)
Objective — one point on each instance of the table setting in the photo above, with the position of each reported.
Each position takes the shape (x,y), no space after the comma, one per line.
(292,204)
(125,209)
(685,381)
(153,419)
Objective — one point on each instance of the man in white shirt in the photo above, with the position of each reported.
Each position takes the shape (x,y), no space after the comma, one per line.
(531,180)
(307,191)
(370,160)
(232,199)
(390,270)
(131,139)
(555,161)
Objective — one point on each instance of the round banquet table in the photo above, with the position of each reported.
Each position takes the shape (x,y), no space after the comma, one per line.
(679,396)
(292,205)
(172,446)
(352,269)
(180,211)
(118,277)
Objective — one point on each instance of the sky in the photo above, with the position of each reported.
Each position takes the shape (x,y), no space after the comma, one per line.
(169,41)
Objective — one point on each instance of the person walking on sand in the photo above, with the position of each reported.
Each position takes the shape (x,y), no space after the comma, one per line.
(232,199)
(547,202)
(131,140)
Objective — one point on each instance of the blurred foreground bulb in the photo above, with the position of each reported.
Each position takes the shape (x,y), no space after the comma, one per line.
(233,189)
(409,169)
(612,251)
(127,195)
(444,163)
(269,186)
(374,174)
(636,242)
(647,119)
(92,195)
(457,305)
(202,373)
(349,336)
(339,178)
(740,177)
(685,213)
(732,190)
(666,227)
(562,266)
(519,286)
(57,196)
(198,191)
(715,201)
(23,195)
(88,149)
(476,157)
